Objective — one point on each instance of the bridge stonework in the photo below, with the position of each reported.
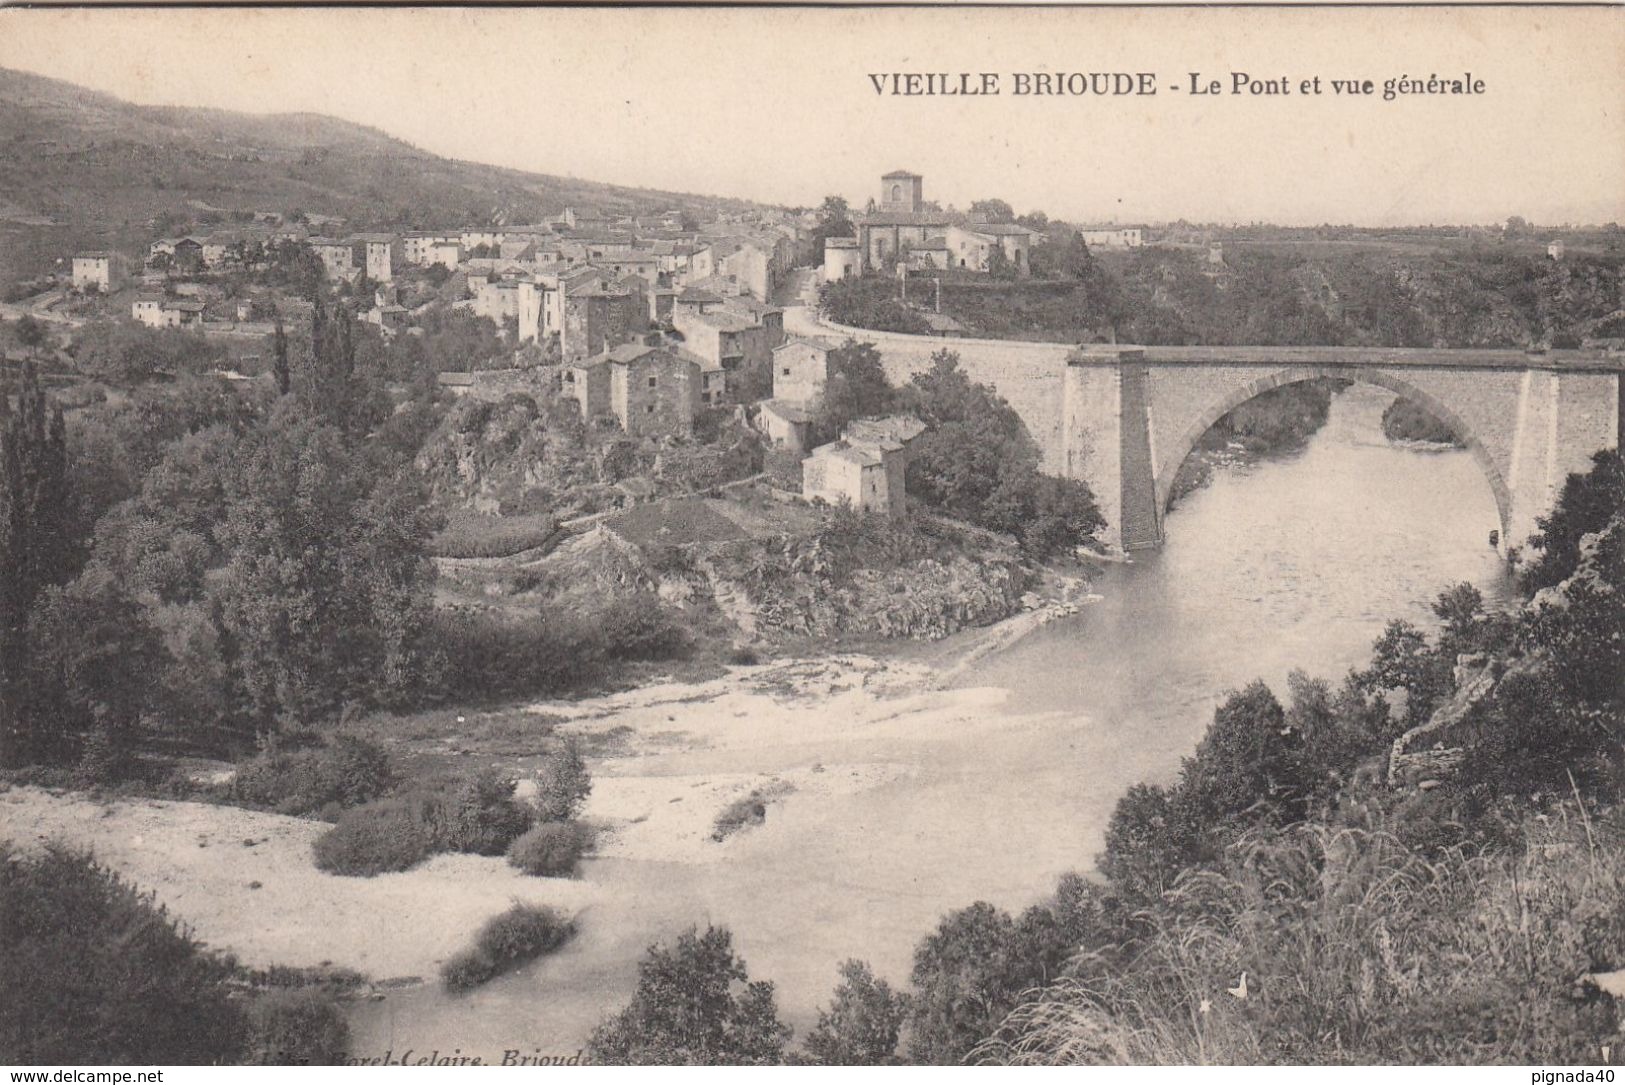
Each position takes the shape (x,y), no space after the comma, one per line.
(1132,415)
(1124,418)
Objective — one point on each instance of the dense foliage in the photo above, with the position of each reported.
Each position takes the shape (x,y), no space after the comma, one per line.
(522,933)
(695,1005)
(96,972)
(976,461)
(1267,294)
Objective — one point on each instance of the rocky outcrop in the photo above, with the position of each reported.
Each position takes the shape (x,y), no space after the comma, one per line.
(1439,747)
(924,599)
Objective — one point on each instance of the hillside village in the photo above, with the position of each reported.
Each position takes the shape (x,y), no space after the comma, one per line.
(391,540)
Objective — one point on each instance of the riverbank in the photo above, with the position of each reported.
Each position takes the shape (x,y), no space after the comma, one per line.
(809,736)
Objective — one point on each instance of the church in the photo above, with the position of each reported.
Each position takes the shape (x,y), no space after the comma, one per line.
(901,226)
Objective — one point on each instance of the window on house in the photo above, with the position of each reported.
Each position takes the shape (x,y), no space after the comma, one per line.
(650,409)
(652,381)
(787,371)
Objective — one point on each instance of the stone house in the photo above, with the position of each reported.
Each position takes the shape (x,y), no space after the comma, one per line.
(786,425)
(800,371)
(1112,237)
(597,317)
(103,271)
(727,336)
(650,391)
(338,257)
(972,246)
(842,258)
(378,255)
(865,469)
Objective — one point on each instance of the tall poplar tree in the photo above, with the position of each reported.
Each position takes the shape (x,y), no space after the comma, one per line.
(37,547)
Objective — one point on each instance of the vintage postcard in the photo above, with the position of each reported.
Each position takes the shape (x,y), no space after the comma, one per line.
(812,536)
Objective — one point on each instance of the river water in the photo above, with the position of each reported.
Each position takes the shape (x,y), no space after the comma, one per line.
(1295,562)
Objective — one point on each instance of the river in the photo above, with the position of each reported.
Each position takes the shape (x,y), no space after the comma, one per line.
(1293,562)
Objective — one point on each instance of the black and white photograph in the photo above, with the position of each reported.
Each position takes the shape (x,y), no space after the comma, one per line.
(812,536)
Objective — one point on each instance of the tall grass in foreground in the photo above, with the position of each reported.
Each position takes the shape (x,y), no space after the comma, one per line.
(1356,949)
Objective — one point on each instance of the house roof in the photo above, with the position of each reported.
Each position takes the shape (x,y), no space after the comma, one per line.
(184,306)
(998,229)
(904,218)
(692,296)
(825,345)
(896,174)
(863,455)
(840,242)
(890,433)
(790,412)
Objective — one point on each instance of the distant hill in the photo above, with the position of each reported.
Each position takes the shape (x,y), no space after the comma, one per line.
(82,169)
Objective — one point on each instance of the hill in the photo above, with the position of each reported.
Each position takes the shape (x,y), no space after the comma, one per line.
(81,169)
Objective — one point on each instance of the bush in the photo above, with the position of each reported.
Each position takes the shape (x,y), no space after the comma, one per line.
(484,816)
(472,536)
(637,627)
(550,850)
(301,1027)
(382,837)
(739,814)
(348,772)
(522,933)
(695,1006)
(562,784)
(97,973)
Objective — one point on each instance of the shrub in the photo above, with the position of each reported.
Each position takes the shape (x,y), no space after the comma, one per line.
(465,970)
(348,772)
(549,850)
(637,627)
(484,816)
(695,1005)
(739,814)
(302,1027)
(96,972)
(562,784)
(522,933)
(472,536)
(389,835)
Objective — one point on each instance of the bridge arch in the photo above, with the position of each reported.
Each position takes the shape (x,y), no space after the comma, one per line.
(1186,441)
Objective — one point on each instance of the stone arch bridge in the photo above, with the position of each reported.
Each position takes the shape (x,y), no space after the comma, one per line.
(1124,418)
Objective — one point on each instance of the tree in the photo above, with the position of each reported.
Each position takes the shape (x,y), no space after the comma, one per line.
(695,1005)
(976,461)
(30,332)
(862,1024)
(327,590)
(38,548)
(96,972)
(967,976)
(562,783)
(1149,842)
(834,220)
(280,367)
(1248,758)
(995,210)
(1585,505)
(1402,660)
(857,388)
(97,662)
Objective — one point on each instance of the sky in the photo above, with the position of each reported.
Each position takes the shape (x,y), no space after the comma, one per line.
(777,105)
